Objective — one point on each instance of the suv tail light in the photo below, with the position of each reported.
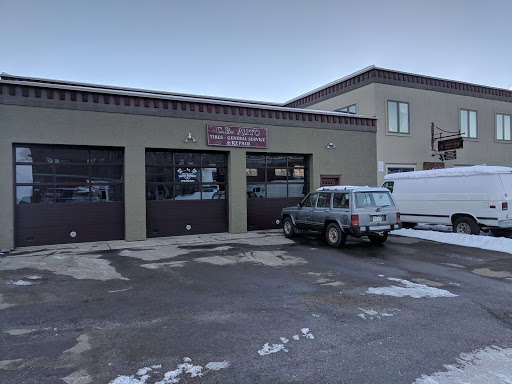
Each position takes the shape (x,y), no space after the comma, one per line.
(398,217)
(504,206)
(354,220)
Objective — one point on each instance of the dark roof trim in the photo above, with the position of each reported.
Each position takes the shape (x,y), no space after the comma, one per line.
(373,74)
(9,77)
(141,103)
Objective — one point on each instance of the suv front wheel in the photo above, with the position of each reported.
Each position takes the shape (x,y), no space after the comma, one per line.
(288,227)
(335,236)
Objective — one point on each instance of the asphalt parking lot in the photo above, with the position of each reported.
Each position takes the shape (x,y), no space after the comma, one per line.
(255,308)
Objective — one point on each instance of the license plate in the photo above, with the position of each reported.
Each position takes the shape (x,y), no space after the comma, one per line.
(376,219)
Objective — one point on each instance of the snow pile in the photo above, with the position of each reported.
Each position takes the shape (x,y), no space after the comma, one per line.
(411,289)
(489,365)
(170,377)
(499,244)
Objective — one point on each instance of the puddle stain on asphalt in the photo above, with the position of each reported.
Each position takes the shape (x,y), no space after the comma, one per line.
(75,265)
(268,258)
(486,272)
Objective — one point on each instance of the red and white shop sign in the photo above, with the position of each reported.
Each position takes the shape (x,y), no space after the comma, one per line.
(229,136)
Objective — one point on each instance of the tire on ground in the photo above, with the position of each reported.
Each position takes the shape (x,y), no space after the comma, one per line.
(466,225)
(335,236)
(288,227)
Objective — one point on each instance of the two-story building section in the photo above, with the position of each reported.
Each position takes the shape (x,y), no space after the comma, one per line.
(409,106)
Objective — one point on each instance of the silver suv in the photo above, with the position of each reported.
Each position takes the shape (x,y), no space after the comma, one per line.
(339,211)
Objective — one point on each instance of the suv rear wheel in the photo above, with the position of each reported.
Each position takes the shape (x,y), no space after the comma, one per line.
(466,225)
(335,236)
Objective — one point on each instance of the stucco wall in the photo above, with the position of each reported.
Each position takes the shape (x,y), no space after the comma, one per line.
(353,158)
(425,107)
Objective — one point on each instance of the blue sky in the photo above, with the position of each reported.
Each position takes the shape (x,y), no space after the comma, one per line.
(270,50)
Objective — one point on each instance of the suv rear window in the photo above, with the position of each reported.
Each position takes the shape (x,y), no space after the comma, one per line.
(373,199)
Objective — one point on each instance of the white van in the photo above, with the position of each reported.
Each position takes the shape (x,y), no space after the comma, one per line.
(468,198)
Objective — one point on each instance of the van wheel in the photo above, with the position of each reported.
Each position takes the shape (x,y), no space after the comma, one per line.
(378,239)
(501,232)
(288,228)
(335,236)
(466,225)
(408,225)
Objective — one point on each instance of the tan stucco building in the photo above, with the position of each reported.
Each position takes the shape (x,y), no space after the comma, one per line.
(406,105)
(84,162)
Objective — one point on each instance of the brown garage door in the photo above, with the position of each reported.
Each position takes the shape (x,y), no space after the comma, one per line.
(185,193)
(68,194)
(274,181)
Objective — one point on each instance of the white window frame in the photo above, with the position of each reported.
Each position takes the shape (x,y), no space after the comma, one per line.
(466,131)
(412,167)
(398,130)
(347,109)
(502,128)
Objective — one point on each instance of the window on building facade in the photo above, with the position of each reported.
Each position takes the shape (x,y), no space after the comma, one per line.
(503,127)
(348,109)
(276,176)
(55,174)
(185,175)
(468,123)
(398,117)
(397,168)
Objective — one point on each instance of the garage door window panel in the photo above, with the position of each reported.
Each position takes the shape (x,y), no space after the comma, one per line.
(76,174)
(160,192)
(160,174)
(106,174)
(276,176)
(68,175)
(71,156)
(72,193)
(184,175)
(34,174)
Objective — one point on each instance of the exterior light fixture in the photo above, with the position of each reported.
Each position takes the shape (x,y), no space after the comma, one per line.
(189,137)
(331,145)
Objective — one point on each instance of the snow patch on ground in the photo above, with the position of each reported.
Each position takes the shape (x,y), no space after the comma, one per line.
(170,377)
(490,243)
(370,314)
(22,282)
(274,348)
(488,365)
(411,289)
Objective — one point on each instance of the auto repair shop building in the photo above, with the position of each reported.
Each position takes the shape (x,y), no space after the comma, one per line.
(84,162)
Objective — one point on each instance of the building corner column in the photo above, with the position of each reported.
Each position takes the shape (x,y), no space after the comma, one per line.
(135,193)
(237,195)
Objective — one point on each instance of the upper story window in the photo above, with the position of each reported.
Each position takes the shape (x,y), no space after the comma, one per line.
(468,125)
(398,117)
(348,109)
(503,127)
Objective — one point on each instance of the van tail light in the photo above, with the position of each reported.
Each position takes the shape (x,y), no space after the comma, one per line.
(398,217)
(504,206)
(354,220)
